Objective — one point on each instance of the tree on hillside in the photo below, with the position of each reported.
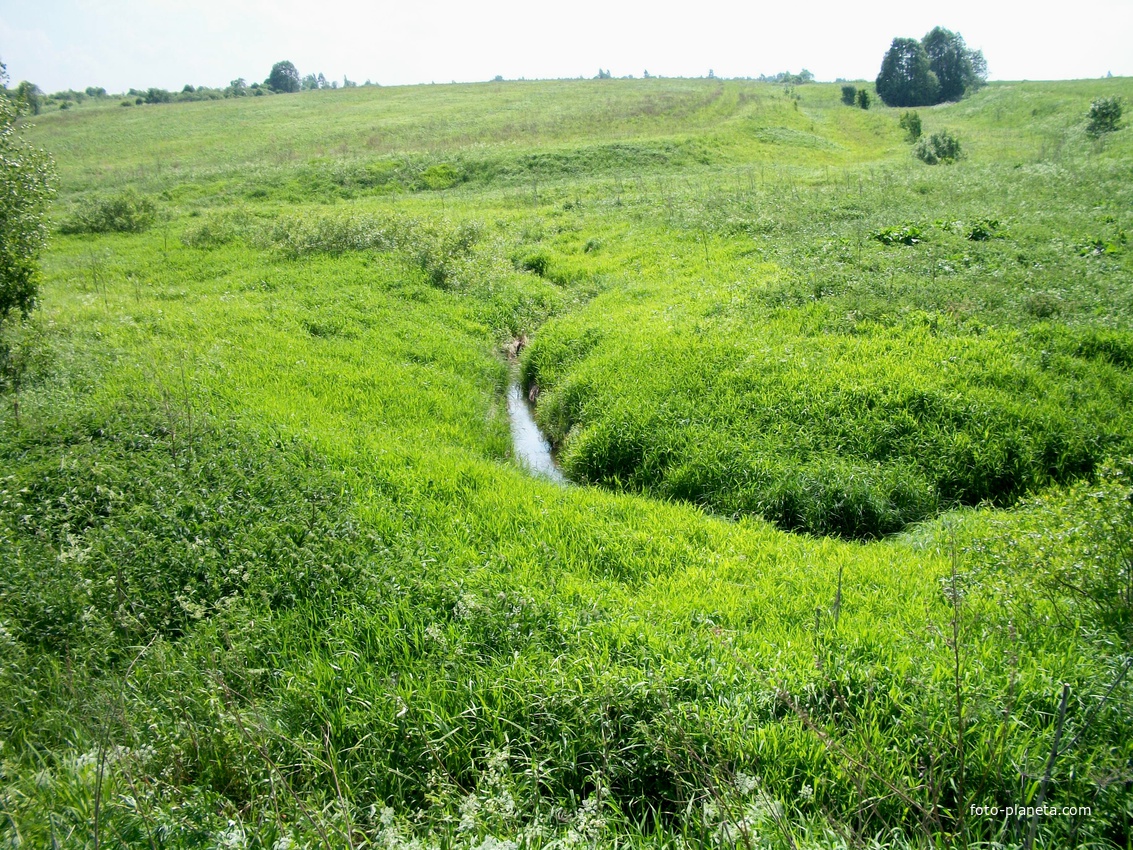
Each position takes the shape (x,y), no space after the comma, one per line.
(284,78)
(958,69)
(25,184)
(1105,116)
(906,77)
(28,97)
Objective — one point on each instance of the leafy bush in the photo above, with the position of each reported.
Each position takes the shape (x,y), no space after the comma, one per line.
(1097,246)
(126,212)
(298,236)
(218,229)
(863,98)
(1104,116)
(26,177)
(905,234)
(911,124)
(439,176)
(982,229)
(849,95)
(940,147)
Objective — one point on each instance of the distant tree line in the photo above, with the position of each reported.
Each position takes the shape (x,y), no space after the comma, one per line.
(786,77)
(938,68)
(283,79)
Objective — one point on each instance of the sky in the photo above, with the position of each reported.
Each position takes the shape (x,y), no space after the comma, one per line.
(119,44)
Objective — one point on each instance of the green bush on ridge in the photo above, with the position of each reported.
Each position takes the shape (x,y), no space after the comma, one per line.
(941,147)
(124,212)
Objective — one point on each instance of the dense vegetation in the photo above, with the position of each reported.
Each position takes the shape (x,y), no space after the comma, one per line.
(26,187)
(936,69)
(272,578)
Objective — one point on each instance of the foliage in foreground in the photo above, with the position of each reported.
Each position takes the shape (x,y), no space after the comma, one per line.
(26,175)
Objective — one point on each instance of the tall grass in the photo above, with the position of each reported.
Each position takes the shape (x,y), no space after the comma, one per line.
(271,579)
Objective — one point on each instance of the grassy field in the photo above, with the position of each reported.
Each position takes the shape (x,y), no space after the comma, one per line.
(845,560)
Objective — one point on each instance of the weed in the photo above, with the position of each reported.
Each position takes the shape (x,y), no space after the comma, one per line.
(904,234)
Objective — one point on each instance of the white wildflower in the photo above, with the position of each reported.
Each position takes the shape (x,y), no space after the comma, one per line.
(466,606)
(435,633)
(746,783)
(232,838)
(469,809)
(492,843)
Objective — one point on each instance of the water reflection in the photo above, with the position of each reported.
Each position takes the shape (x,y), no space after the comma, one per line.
(532,450)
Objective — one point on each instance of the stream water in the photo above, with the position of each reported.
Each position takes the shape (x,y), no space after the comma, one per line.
(531,449)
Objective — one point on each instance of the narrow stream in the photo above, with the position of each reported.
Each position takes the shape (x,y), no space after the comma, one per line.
(531,449)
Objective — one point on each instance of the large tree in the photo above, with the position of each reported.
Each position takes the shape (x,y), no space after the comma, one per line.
(958,69)
(906,77)
(283,78)
(25,185)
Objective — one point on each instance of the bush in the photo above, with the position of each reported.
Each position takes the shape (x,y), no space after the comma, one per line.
(126,212)
(911,124)
(26,184)
(218,229)
(863,98)
(1105,116)
(905,234)
(849,95)
(982,229)
(439,176)
(940,147)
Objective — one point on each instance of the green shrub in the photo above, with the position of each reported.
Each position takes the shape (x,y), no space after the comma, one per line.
(26,185)
(942,147)
(911,124)
(905,234)
(126,212)
(1104,116)
(439,176)
(863,98)
(982,229)
(849,95)
(218,229)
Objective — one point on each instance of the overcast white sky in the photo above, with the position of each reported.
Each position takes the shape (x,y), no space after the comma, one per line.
(119,44)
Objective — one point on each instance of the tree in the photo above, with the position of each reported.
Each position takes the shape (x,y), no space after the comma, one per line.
(1104,116)
(28,97)
(284,78)
(26,177)
(911,123)
(958,69)
(906,78)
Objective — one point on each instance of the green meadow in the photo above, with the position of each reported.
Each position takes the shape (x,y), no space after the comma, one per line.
(845,559)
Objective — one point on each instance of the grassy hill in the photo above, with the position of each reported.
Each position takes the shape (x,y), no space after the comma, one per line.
(847,552)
